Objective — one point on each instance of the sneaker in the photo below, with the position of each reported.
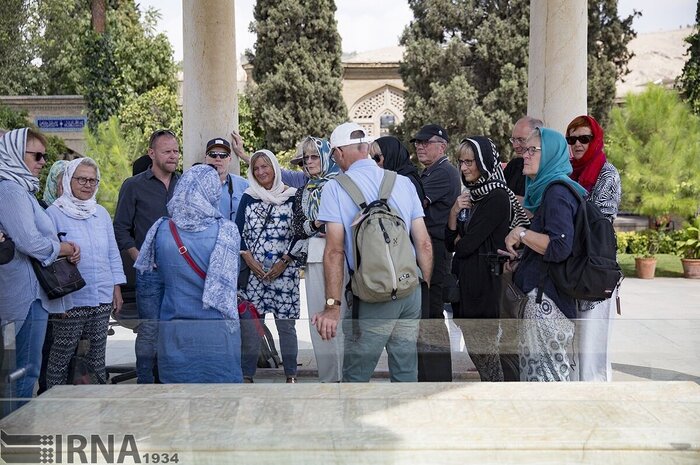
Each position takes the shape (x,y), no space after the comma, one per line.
(291,379)
(248,379)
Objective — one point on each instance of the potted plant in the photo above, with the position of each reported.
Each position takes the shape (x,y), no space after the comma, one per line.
(644,246)
(688,246)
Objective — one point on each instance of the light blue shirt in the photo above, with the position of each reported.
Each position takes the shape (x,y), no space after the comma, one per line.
(231,193)
(338,207)
(100,261)
(23,219)
(293,178)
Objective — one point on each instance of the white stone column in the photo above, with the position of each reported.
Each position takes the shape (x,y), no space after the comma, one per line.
(557,73)
(209,96)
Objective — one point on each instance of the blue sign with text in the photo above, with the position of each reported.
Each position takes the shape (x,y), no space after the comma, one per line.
(60,123)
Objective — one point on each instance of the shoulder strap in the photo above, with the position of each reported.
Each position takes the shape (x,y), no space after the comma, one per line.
(351,188)
(387,185)
(183,251)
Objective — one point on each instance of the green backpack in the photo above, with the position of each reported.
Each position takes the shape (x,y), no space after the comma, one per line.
(385,263)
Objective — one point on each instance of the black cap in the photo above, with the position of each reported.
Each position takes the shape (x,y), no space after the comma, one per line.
(219,142)
(430,130)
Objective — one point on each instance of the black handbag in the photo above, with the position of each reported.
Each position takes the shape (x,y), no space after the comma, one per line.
(59,278)
(513,300)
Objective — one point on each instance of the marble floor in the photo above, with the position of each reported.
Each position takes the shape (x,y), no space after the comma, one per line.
(379,423)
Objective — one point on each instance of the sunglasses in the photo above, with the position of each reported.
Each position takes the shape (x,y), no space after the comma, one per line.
(38,155)
(584,139)
(221,155)
(308,158)
(425,143)
(377,158)
(160,132)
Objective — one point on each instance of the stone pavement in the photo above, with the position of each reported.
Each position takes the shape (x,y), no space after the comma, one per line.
(657,337)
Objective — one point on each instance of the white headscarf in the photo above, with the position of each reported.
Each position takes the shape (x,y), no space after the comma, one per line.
(12,166)
(69,204)
(278,193)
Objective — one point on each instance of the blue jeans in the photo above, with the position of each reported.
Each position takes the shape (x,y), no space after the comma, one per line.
(250,345)
(29,342)
(149,295)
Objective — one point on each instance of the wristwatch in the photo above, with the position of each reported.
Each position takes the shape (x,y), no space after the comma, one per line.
(332,302)
(522,234)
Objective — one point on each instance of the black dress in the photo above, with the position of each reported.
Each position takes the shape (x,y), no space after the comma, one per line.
(485,232)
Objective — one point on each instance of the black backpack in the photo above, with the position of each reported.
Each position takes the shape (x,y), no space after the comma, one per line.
(591,272)
(268,356)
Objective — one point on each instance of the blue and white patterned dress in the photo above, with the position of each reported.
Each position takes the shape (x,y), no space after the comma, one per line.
(280,296)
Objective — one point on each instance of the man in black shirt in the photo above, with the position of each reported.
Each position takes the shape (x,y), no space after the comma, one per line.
(442,185)
(142,200)
(522,131)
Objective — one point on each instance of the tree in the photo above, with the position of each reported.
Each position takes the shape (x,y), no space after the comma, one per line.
(17,28)
(113,152)
(297,68)
(465,64)
(142,114)
(689,81)
(654,141)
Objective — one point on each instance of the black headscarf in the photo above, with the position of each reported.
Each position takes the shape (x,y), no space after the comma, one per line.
(397,158)
(488,161)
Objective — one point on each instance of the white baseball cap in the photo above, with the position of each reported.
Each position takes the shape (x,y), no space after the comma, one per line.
(341,135)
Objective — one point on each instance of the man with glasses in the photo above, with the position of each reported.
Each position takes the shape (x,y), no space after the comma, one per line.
(142,200)
(523,130)
(442,185)
(218,155)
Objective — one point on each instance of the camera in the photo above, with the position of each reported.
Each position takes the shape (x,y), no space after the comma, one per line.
(495,262)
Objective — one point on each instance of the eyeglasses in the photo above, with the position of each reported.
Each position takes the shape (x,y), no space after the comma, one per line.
(89,181)
(308,158)
(466,163)
(584,139)
(38,155)
(423,143)
(160,132)
(377,157)
(333,152)
(518,140)
(531,150)
(221,155)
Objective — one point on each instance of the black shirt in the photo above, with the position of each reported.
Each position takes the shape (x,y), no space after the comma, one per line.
(515,178)
(442,185)
(485,232)
(142,200)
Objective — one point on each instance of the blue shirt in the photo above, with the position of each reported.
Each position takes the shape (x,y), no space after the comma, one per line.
(293,178)
(23,219)
(100,261)
(231,193)
(338,207)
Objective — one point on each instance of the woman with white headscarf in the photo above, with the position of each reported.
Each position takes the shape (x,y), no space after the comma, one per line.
(22,300)
(195,254)
(77,214)
(264,219)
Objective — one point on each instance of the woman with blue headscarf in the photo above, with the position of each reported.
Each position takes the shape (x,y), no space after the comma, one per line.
(54,182)
(316,161)
(199,338)
(547,332)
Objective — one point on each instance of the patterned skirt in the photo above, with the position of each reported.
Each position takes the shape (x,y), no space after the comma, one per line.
(545,340)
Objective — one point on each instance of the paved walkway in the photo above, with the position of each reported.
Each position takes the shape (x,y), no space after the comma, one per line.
(657,337)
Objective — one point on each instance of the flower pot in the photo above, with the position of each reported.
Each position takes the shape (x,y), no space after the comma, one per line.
(691,268)
(645,267)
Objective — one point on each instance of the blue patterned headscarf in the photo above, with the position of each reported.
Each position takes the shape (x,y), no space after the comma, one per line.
(12,166)
(51,188)
(329,169)
(194,207)
(554,166)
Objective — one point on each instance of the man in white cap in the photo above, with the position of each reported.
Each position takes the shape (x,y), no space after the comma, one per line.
(394,324)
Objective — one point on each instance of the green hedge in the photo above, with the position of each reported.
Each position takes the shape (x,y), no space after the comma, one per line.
(648,242)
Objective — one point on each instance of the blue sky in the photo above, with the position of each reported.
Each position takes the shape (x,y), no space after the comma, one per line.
(365,25)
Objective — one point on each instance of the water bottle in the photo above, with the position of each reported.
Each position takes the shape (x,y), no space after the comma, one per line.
(268,261)
(464,213)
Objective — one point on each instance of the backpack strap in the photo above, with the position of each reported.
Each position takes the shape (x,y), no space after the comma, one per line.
(351,188)
(387,185)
